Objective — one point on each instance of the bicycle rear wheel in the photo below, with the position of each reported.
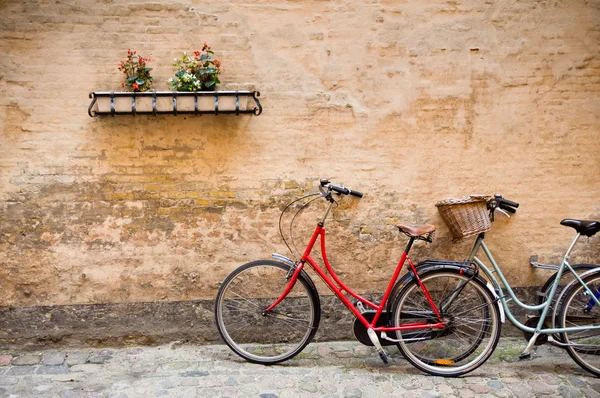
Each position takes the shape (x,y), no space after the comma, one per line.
(567,277)
(470,312)
(272,337)
(578,309)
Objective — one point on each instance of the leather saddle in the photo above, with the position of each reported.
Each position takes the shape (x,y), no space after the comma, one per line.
(586,228)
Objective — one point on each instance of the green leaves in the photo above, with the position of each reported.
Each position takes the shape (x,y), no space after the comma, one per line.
(196,72)
(137,74)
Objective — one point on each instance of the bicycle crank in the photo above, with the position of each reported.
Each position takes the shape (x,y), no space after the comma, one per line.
(360,332)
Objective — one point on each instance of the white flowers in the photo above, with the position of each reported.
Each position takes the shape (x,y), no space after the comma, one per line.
(185,80)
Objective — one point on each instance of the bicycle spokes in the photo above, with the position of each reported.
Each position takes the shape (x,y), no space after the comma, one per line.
(592,302)
(266,336)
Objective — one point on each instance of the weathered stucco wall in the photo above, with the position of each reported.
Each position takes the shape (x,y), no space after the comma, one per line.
(410,102)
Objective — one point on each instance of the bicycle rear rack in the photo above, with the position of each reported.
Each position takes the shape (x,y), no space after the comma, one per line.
(533,262)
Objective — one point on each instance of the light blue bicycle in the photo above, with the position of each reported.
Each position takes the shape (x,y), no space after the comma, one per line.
(570,315)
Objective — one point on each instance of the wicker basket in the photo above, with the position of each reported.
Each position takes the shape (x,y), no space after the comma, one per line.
(466,216)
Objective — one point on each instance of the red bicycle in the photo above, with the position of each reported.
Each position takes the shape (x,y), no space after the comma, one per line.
(444,319)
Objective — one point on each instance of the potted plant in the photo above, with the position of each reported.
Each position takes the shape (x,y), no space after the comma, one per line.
(137,74)
(199,72)
(137,79)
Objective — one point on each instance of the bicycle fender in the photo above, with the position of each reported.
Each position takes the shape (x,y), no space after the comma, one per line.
(566,289)
(460,266)
(285,260)
(497,299)
(428,266)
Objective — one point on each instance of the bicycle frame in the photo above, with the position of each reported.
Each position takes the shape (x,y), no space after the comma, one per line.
(545,306)
(319,233)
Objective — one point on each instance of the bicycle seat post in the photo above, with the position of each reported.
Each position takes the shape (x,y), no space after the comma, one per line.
(570,249)
(409,245)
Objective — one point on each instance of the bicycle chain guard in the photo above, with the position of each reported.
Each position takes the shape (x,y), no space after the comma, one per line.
(360,332)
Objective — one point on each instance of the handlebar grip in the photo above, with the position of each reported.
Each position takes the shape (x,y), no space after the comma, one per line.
(356,193)
(341,190)
(507,208)
(510,203)
(345,191)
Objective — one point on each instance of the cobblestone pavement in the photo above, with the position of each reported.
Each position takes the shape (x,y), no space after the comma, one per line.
(338,369)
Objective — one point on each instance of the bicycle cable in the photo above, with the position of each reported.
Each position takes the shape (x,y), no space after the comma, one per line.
(294,218)
(283,212)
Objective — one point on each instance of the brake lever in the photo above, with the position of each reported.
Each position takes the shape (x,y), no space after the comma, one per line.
(503,212)
(323,192)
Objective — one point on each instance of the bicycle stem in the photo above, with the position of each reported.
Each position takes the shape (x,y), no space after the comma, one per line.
(332,202)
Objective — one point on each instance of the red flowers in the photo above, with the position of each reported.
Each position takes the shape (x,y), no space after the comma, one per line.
(197,53)
(137,74)
(205,47)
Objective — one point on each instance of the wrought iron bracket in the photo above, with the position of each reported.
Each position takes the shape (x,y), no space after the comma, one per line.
(219,105)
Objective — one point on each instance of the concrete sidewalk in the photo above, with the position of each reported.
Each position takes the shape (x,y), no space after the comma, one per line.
(338,369)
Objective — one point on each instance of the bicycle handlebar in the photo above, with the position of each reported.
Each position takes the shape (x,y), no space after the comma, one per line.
(498,202)
(345,191)
(508,202)
(507,208)
(341,190)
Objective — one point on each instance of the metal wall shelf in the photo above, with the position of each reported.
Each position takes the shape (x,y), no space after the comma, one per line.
(174,102)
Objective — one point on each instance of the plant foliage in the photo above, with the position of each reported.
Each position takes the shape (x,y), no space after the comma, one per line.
(198,72)
(137,74)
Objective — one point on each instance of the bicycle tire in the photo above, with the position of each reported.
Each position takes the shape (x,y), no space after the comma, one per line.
(567,277)
(583,346)
(275,336)
(473,320)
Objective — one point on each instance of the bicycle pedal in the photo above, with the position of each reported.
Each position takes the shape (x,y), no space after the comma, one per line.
(524,356)
(383,357)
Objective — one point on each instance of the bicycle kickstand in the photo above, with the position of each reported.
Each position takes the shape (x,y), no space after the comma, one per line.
(377,344)
(526,354)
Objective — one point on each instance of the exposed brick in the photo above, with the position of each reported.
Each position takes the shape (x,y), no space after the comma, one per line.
(28,359)
(410,103)
(54,358)
(5,360)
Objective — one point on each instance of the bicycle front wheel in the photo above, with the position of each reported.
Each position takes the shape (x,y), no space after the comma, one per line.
(472,319)
(272,337)
(578,309)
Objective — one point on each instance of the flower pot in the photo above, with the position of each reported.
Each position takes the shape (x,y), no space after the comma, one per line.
(226,103)
(206,103)
(143,104)
(122,104)
(185,103)
(164,104)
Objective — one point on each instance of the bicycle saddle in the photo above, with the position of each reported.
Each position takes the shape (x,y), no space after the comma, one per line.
(417,231)
(586,228)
